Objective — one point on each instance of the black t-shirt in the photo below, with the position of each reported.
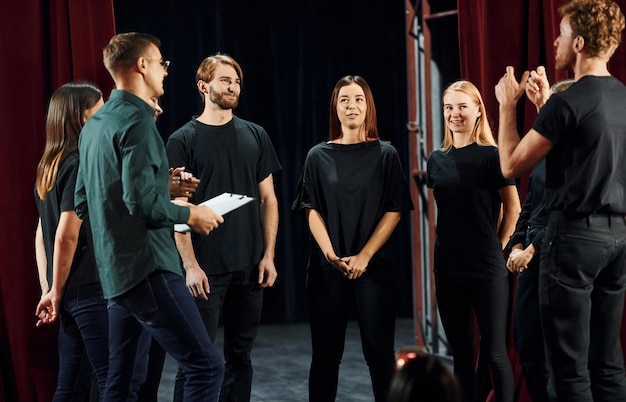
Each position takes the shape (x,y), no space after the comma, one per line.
(61,199)
(465,184)
(352,186)
(585,170)
(234,158)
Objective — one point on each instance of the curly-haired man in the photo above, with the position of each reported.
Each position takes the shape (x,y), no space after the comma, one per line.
(582,134)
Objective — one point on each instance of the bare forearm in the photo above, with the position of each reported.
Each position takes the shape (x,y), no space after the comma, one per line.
(269,222)
(511,209)
(506,229)
(65,243)
(320,233)
(508,137)
(185,249)
(381,234)
(40,258)
(64,250)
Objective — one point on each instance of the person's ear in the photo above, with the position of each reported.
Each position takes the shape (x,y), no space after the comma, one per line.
(141,64)
(203,87)
(579,43)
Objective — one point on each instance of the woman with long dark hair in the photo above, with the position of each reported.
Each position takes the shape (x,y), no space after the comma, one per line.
(68,276)
(353,191)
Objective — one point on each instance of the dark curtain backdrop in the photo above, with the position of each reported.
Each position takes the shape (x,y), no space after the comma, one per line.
(43,45)
(292,53)
(520,33)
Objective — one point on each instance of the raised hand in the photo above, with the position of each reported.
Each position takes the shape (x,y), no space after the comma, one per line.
(509,90)
(538,87)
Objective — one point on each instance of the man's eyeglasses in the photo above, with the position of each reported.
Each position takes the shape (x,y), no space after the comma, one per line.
(164,63)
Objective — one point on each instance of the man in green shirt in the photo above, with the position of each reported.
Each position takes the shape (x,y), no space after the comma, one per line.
(122,185)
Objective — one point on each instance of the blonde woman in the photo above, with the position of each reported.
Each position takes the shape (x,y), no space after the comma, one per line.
(470,271)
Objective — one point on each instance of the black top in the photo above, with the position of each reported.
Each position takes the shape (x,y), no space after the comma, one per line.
(234,158)
(466,183)
(533,217)
(585,170)
(58,200)
(352,186)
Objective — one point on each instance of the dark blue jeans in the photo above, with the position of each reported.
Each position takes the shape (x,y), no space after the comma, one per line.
(161,307)
(331,297)
(528,335)
(489,300)
(581,295)
(82,342)
(238,299)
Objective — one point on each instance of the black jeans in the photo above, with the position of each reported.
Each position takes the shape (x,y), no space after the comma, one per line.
(330,297)
(581,294)
(238,299)
(489,299)
(149,391)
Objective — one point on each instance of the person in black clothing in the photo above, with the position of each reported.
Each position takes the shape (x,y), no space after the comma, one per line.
(66,264)
(581,133)
(353,191)
(524,259)
(229,154)
(470,271)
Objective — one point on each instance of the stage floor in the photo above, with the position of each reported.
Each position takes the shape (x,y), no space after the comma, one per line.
(281,359)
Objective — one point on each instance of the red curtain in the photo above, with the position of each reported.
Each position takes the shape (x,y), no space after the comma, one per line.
(43,45)
(520,33)
(495,34)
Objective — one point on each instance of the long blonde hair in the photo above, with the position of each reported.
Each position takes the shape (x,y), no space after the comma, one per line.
(63,124)
(481,134)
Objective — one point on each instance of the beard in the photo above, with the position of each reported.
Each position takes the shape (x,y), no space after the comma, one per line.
(220,100)
(564,61)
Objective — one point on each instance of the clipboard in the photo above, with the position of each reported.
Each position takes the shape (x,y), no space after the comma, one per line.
(221,204)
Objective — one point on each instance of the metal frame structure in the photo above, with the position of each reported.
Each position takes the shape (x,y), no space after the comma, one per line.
(424,126)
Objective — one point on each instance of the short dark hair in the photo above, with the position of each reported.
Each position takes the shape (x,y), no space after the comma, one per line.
(124,49)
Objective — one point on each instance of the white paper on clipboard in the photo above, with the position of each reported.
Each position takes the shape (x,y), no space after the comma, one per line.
(221,204)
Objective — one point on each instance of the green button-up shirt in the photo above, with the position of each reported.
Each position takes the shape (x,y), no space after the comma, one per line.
(122,185)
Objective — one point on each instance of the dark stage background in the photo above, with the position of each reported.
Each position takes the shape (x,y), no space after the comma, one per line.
(292,53)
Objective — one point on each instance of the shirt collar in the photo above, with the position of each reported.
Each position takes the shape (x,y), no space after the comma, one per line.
(132,98)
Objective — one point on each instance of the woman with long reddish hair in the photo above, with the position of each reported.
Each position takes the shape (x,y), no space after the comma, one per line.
(353,191)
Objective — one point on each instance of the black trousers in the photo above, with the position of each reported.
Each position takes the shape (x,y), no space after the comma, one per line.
(581,294)
(489,299)
(237,298)
(331,297)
